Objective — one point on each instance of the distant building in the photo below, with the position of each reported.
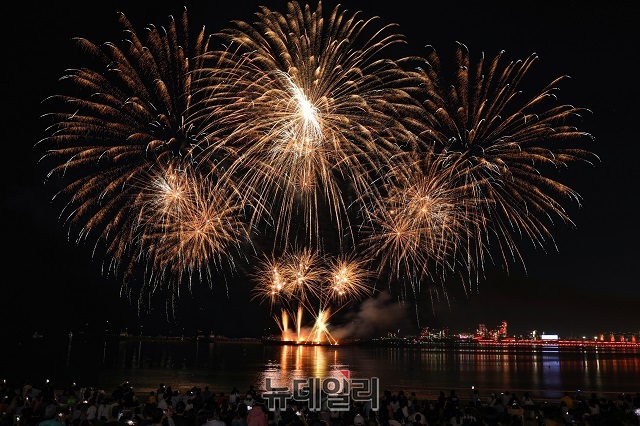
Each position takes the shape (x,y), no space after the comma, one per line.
(482,331)
(617,337)
(549,337)
(434,333)
(502,331)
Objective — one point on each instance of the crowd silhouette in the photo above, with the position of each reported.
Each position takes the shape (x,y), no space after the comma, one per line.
(42,405)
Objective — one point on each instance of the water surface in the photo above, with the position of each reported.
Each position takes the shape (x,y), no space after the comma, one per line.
(545,373)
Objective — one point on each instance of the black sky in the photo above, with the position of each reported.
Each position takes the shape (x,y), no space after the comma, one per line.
(591,284)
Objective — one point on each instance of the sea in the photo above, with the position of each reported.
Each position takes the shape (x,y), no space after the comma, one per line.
(545,373)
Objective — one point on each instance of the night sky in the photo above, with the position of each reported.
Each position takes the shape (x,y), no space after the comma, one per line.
(589,285)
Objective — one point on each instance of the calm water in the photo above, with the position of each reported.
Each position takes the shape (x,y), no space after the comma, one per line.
(104,365)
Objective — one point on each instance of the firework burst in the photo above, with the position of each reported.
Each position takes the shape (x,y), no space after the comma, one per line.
(311,112)
(118,144)
(502,146)
(420,229)
(302,281)
(191,227)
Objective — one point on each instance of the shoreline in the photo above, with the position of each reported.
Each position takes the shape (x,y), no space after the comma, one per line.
(406,343)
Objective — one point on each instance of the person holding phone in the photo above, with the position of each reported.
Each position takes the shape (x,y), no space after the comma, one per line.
(257,416)
(158,416)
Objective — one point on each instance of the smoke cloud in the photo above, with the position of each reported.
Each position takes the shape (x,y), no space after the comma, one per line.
(374,318)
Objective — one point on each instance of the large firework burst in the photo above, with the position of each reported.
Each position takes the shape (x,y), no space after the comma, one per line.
(126,131)
(419,230)
(312,107)
(188,227)
(503,146)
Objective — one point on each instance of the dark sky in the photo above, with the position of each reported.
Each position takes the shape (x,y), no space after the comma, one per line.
(589,285)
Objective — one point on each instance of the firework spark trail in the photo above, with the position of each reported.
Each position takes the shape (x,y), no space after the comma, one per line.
(207,226)
(282,322)
(130,117)
(320,331)
(419,228)
(501,146)
(298,318)
(188,227)
(310,115)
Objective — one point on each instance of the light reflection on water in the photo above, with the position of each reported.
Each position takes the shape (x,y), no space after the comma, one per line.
(546,373)
(301,362)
